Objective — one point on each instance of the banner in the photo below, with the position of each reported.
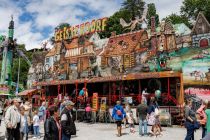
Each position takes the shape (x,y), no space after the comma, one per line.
(95,102)
(103,104)
(80,30)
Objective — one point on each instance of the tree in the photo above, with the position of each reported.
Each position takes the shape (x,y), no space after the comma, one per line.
(113,23)
(152,12)
(177,19)
(130,9)
(135,7)
(24,67)
(191,8)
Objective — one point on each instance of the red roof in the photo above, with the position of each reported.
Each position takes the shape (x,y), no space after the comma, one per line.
(26,92)
(125,43)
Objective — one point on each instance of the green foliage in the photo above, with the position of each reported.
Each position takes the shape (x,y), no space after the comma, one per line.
(152,12)
(62,25)
(130,9)
(135,7)
(177,19)
(191,8)
(113,23)
(24,67)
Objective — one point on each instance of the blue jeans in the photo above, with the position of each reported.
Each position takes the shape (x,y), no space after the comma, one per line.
(36,131)
(64,137)
(190,130)
(141,123)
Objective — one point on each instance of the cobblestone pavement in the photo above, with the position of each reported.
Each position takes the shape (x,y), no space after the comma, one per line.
(108,132)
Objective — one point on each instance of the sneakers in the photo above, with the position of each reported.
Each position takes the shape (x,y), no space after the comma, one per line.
(34,137)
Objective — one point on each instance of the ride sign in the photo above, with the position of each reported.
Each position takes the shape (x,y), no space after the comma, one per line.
(80,30)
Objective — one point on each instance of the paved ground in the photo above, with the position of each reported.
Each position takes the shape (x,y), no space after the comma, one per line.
(108,132)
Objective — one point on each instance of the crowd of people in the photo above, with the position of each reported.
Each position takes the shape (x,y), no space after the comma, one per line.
(196,119)
(21,120)
(146,114)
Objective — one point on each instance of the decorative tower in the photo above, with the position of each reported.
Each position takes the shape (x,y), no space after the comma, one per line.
(9,45)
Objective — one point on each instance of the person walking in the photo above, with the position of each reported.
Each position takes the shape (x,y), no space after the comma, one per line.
(1,111)
(131,121)
(203,117)
(42,111)
(88,113)
(36,124)
(207,111)
(52,128)
(190,119)
(144,95)
(127,111)
(12,120)
(24,123)
(67,124)
(7,104)
(118,114)
(142,115)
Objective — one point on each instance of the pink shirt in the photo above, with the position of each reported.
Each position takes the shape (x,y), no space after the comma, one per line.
(202,114)
(88,109)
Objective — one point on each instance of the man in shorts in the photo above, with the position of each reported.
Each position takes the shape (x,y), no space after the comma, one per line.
(118,114)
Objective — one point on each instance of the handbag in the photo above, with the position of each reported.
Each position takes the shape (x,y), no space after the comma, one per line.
(151,119)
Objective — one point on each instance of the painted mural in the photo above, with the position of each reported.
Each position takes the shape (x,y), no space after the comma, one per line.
(165,48)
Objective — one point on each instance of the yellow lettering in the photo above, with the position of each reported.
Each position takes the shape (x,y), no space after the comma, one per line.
(104,20)
(82,29)
(67,33)
(87,27)
(64,33)
(76,31)
(72,32)
(57,36)
(93,26)
(98,25)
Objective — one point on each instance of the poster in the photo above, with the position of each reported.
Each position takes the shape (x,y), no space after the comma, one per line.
(95,102)
(103,104)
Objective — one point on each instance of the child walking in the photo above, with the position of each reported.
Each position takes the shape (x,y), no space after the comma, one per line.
(131,121)
(36,124)
(24,124)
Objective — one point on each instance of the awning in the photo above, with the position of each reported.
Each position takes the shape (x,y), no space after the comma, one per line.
(201,93)
(26,92)
(131,76)
(36,96)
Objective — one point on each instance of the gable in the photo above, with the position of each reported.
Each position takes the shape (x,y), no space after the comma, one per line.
(201,26)
(168,27)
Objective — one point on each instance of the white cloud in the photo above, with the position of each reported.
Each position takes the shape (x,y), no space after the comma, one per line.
(50,13)
(53,12)
(6,10)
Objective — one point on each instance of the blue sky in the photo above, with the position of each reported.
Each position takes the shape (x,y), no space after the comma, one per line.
(35,20)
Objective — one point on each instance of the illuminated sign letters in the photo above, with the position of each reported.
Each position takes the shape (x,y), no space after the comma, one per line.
(80,30)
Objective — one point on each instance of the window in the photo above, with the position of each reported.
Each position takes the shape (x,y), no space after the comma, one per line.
(56,58)
(47,60)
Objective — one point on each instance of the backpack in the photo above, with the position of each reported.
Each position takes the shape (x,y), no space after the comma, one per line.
(119,112)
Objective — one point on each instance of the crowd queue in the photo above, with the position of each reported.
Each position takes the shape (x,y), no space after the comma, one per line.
(58,119)
(21,119)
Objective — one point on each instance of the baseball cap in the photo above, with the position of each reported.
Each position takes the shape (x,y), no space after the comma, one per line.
(69,103)
(17,100)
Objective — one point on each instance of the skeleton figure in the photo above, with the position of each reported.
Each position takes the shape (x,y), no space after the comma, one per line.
(132,25)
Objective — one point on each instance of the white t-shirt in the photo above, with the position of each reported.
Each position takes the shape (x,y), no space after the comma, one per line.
(36,120)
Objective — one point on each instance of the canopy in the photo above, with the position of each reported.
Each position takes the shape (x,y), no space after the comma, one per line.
(26,92)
